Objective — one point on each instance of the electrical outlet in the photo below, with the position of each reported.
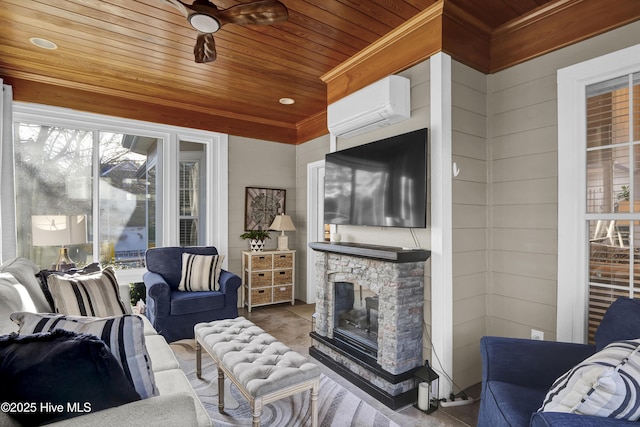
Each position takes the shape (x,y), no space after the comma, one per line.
(537,335)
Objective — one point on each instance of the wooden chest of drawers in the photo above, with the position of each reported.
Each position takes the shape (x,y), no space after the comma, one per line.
(268,277)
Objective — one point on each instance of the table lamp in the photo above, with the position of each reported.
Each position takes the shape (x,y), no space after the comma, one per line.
(59,230)
(282,223)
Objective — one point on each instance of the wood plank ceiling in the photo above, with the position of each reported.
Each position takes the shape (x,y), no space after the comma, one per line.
(134,58)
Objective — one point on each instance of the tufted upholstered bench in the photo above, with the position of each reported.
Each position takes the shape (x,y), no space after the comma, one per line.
(263,369)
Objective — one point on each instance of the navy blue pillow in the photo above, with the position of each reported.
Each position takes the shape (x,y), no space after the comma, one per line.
(621,322)
(52,376)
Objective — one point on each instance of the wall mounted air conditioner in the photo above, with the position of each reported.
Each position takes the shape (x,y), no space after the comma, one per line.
(380,104)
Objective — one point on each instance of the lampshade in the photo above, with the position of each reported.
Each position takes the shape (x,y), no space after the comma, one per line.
(58,230)
(282,223)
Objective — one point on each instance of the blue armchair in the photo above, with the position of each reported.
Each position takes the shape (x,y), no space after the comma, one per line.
(174,313)
(517,373)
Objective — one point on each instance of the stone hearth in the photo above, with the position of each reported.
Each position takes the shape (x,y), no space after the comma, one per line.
(397,277)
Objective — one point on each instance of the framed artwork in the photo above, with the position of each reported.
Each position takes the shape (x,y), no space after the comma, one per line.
(261,206)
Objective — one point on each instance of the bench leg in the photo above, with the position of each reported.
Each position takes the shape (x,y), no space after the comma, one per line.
(198,360)
(256,411)
(220,390)
(314,403)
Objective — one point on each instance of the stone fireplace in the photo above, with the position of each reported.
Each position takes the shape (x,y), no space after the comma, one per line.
(369,316)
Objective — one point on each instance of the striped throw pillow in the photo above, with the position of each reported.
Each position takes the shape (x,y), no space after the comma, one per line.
(124,335)
(606,384)
(94,294)
(200,272)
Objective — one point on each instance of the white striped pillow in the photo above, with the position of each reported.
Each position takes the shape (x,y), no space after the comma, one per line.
(606,384)
(124,335)
(94,294)
(200,272)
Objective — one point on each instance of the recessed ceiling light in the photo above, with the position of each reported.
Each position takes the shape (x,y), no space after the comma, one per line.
(287,101)
(43,43)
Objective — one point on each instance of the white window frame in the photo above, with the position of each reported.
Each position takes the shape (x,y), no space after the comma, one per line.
(215,159)
(573,241)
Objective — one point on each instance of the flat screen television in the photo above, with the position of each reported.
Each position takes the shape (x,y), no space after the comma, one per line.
(383,183)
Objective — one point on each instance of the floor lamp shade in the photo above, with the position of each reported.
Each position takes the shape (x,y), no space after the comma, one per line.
(282,223)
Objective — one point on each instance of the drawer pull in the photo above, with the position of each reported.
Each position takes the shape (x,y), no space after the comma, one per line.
(283,256)
(261,274)
(262,257)
(283,272)
(261,291)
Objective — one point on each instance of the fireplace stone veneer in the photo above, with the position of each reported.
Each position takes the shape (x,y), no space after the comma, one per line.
(397,276)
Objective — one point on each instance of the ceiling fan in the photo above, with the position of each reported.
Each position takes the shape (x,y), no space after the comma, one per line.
(205,17)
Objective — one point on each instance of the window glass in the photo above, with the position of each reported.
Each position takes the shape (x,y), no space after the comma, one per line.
(613,193)
(608,112)
(55,167)
(123,199)
(53,180)
(608,180)
(191,193)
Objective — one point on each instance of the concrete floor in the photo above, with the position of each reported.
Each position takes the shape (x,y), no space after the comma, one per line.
(291,324)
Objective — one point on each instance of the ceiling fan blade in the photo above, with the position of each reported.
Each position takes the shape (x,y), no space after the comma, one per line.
(262,12)
(205,48)
(178,5)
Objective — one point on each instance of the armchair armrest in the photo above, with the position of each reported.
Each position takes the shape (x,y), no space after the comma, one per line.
(229,284)
(561,419)
(529,362)
(159,292)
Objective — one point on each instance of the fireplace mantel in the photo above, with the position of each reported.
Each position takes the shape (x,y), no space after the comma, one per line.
(384,253)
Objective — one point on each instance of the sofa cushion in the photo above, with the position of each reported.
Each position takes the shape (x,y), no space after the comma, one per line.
(162,358)
(606,384)
(175,381)
(195,302)
(200,272)
(25,272)
(13,297)
(620,322)
(512,404)
(123,334)
(59,369)
(96,294)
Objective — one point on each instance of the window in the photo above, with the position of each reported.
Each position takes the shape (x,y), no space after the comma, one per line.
(613,193)
(598,189)
(55,166)
(133,185)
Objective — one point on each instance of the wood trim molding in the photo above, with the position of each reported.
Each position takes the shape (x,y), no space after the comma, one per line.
(408,44)
(466,38)
(312,127)
(555,26)
(153,110)
(448,28)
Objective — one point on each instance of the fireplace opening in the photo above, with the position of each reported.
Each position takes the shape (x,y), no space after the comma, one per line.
(356,317)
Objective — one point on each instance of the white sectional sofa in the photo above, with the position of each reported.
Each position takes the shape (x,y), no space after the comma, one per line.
(176,405)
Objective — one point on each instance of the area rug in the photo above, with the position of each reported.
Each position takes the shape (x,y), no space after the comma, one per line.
(337,406)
